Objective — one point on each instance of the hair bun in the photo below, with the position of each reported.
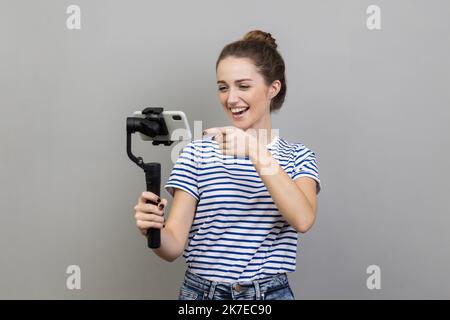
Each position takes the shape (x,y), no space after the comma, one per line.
(259,35)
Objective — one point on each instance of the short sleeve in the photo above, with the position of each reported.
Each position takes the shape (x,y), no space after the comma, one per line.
(184,173)
(305,165)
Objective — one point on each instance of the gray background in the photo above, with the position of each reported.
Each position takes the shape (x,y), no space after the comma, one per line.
(373,105)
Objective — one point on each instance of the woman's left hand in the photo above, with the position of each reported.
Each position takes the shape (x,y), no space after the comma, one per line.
(234,141)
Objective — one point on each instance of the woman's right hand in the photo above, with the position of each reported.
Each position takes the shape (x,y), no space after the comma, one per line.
(148,215)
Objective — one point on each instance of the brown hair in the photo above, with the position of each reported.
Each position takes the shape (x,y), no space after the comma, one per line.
(261,48)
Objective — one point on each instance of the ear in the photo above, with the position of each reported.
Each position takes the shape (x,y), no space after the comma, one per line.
(275,88)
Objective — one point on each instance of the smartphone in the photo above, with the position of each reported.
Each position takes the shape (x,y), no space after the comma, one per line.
(177,127)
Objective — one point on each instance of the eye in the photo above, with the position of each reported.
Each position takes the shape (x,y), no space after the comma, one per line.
(244,87)
(221,88)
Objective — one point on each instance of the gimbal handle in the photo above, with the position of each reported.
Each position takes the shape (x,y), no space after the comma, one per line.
(153,181)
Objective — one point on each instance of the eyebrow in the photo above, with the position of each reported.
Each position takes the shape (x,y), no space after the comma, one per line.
(237,81)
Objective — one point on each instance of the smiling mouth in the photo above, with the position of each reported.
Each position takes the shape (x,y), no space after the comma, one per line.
(239,111)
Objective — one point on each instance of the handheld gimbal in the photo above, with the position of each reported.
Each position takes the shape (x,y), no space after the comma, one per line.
(151,125)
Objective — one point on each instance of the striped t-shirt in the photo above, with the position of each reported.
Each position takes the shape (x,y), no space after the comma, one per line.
(237,233)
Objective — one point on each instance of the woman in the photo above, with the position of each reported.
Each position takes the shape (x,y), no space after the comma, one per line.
(240,198)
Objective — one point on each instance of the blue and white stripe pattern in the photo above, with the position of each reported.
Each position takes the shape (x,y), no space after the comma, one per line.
(238,234)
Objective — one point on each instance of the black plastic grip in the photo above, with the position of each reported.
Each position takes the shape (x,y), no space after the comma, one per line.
(153,181)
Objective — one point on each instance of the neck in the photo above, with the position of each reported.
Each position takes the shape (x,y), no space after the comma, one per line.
(263,131)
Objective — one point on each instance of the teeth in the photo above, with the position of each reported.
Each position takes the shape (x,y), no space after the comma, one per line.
(236,110)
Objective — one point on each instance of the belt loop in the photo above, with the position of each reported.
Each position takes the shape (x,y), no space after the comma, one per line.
(257,289)
(211,290)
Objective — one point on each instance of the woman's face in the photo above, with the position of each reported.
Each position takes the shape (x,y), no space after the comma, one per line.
(243,93)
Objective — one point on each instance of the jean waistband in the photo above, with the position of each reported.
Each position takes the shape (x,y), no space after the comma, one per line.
(196,281)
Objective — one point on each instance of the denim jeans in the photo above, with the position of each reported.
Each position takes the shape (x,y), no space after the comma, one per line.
(195,287)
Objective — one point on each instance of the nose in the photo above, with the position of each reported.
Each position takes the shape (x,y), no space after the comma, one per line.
(232,97)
